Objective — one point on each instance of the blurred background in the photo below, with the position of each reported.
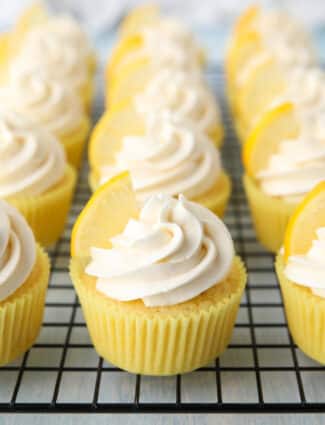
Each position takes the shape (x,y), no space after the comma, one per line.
(211,19)
(99,15)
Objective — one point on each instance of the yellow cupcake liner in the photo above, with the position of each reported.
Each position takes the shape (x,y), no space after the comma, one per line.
(270,215)
(21,314)
(47,213)
(86,93)
(216,134)
(74,143)
(165,340)
(216,199)
(305,314)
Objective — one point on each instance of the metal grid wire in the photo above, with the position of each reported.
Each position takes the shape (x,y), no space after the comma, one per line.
(262,370)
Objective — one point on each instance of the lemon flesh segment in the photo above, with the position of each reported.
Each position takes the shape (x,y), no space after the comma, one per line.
(308,217)
(274,127)
(104,216)
(107,137)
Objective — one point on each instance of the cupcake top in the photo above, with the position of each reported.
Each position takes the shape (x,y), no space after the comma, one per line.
(53,59)
(308,269)
(17,250)
(45,103)
(173,252)
(31,159)
(295,169)
(284,39)
(172,157)
(65,30)
(168,43)
(184,94)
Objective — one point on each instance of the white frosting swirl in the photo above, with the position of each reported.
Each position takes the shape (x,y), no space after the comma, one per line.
(53,60)
(184,94)
(309,269)
(65,30)
(295,169)
(44,103)
(17,250)
(175,251)
(31,159)
(283,39)
(171,158)
(168,43)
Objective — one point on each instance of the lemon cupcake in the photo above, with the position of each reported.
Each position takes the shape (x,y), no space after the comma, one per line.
(166,42)
(51,105)
(159,288)
(283,160)
(54,61)
(24,275)
(300,269)
(185,94)
(34,176)
(263,42)
(171,157)
(271,85)
(37,38)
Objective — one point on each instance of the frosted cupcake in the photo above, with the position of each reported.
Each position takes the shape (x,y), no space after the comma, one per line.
(300,269)
(51,105)
(24,274)
(171,157)
(165,43)
(161,296)
(184,94)
(34,176)
(55,61)
(281,168)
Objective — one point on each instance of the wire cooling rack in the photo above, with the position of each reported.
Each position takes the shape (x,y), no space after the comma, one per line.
(262,370)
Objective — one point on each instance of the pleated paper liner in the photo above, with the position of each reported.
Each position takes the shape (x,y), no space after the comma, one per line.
(47,213)
(166,340)
(21,314)
(216,199)
(74,143)
(270,215)
(305,314)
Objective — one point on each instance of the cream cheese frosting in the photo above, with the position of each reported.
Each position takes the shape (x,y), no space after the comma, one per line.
(54,106)
(309,269)
(173,252)
(184,94)
(284,39)
(17,250)
(295,169)
(31,159)
(53,60)
(172,157)
(65,30)
(168,43)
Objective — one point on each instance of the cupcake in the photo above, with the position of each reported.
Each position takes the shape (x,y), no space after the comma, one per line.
(271,85)
(24,275)
(51,105)
(260,40)
(284,159)
(34,176)
(300,269)
(165,43)
(185,94)
(171,157)
(54,61)
(160,288)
